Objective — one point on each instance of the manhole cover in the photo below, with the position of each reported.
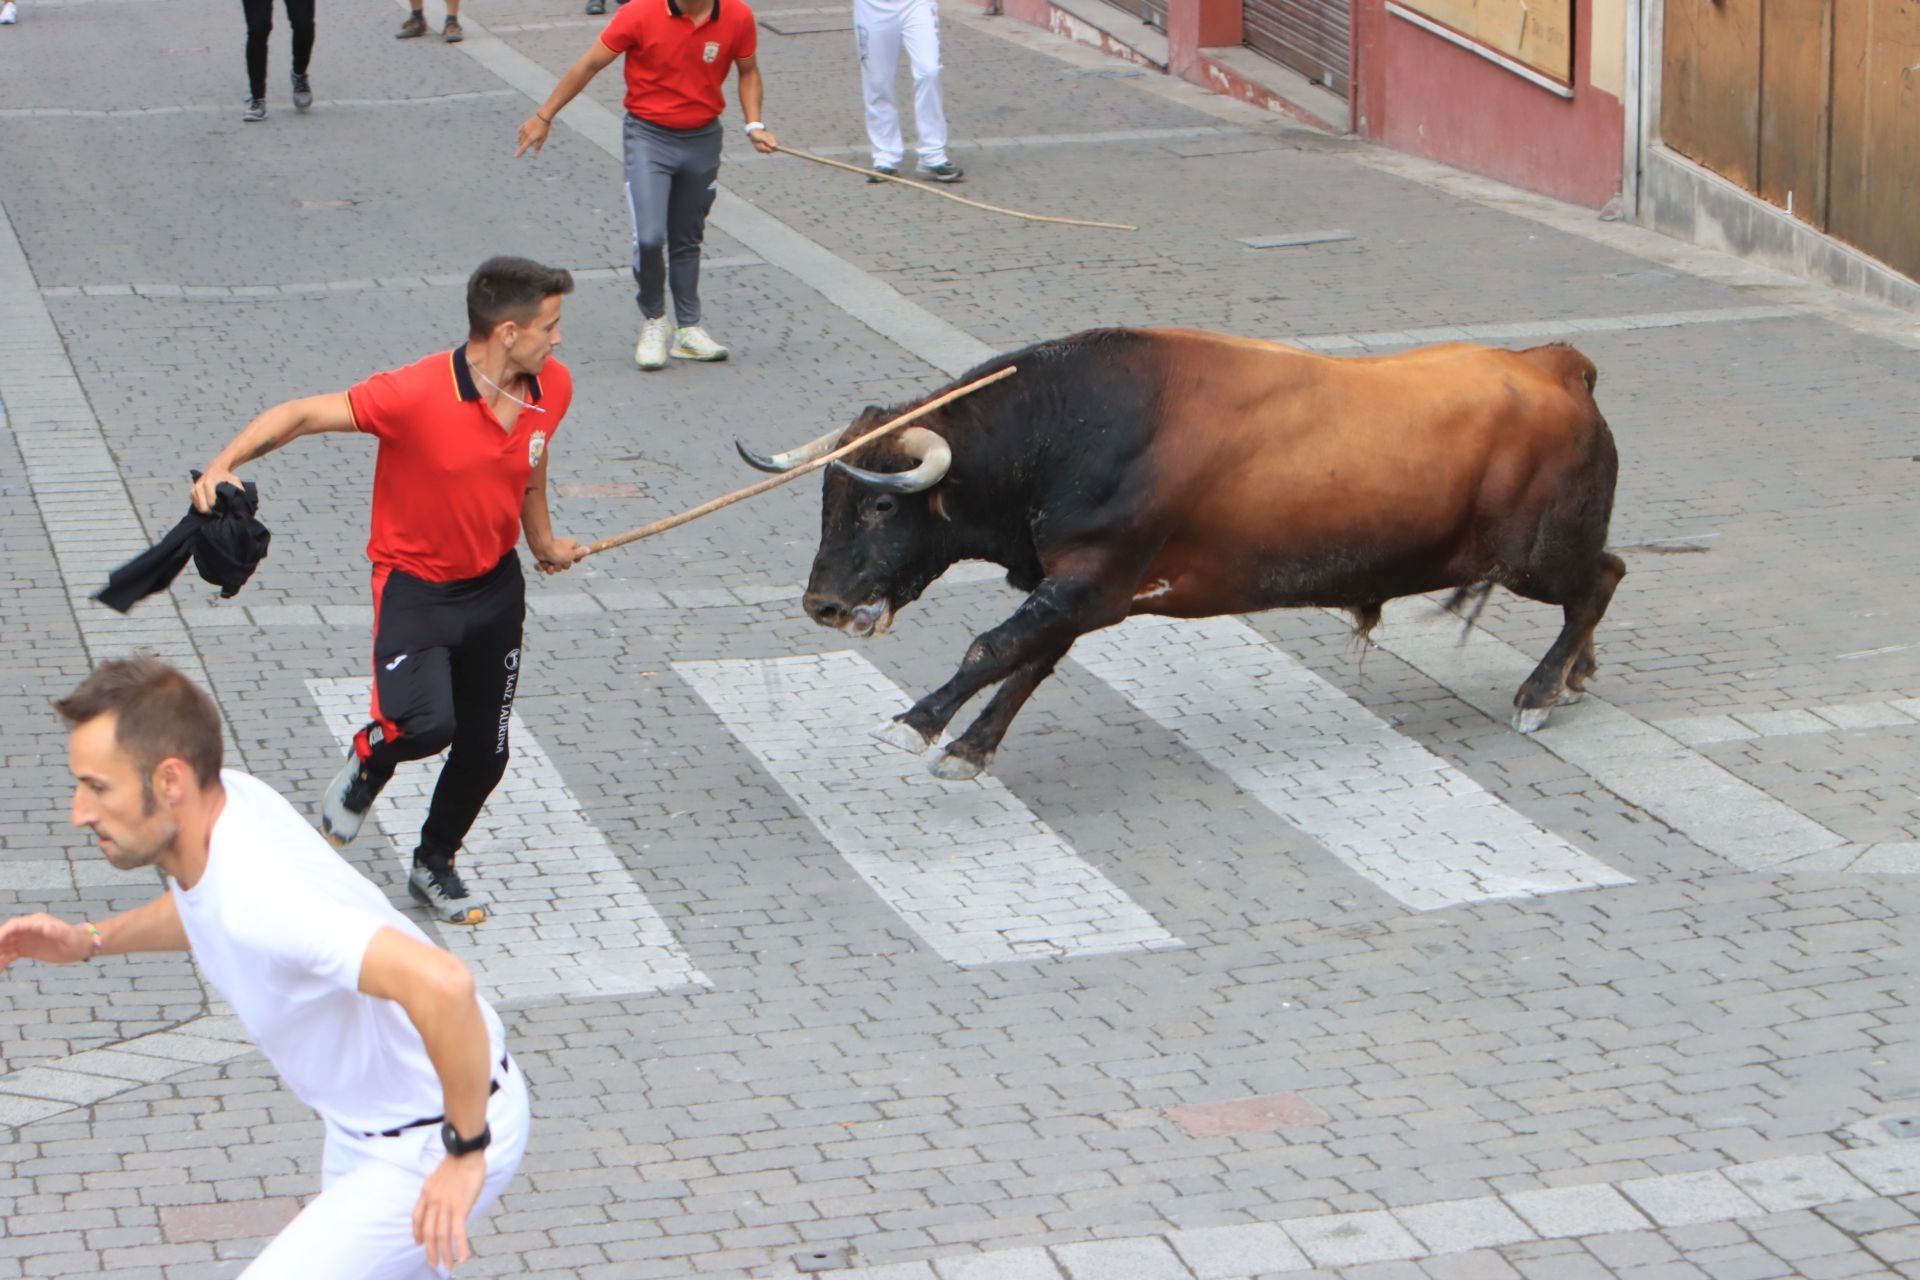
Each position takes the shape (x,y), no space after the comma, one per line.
(822,1260)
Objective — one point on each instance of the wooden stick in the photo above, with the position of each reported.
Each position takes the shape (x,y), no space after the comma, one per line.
(932,190)
(774,482)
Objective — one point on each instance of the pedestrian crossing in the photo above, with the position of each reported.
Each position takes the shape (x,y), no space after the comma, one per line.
(970,868)
(1392,811)
(977,875)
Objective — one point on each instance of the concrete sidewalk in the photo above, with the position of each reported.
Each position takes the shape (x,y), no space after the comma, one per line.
(731,974)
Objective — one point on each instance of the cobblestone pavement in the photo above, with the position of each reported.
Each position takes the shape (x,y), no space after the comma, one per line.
(1346,979)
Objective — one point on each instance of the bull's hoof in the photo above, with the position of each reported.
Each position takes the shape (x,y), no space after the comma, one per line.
(896,733)
(1528,719)
(956,768)
(1570,697)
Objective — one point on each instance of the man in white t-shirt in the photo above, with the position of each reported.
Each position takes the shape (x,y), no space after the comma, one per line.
(370,1024)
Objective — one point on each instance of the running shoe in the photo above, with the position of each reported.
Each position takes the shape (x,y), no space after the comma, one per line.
(256,110)
(344,805)
(652,351)
(693,343)
(945,171)
(445,894)
(414,27)
(302,93)
(596,7)
(452,33)
(890,170)
(9,14)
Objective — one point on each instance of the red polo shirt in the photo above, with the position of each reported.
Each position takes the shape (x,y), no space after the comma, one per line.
(450,481)
(676,70)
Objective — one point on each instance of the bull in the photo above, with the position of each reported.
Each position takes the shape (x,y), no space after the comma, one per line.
(1187,473)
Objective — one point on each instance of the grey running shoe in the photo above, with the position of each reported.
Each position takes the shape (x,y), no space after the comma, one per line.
(445,894)
(452,33)
(414,27)
(256,111)
(945,171)
(891,170)
(302,93)
(596,7)
(348,797)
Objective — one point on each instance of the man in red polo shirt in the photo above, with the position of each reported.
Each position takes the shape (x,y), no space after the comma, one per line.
(677,53)
(462,470)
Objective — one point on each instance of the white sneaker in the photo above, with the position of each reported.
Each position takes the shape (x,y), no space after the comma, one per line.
(693,343)
(652,351)
(8,14)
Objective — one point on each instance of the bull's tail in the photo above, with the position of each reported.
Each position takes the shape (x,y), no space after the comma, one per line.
(1478,593)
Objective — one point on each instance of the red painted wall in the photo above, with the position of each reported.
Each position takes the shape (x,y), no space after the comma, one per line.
(1418,93)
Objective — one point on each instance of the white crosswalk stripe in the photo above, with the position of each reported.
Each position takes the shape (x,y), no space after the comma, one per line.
(568,918)
(1381,803)
(969,867)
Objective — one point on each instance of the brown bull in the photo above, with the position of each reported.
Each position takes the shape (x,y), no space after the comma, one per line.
(1179,472)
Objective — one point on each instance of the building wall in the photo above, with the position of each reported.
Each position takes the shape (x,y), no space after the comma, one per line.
(1417,92)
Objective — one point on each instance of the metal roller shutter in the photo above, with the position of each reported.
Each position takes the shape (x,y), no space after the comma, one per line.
(1311,36)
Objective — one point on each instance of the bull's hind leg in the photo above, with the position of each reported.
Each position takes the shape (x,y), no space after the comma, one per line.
(1570,661)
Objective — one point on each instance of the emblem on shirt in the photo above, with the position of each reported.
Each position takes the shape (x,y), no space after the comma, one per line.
(711,52)
(536,448)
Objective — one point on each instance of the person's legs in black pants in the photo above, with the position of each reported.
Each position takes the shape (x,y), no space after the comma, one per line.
(259,27)
(300,18)
(486,674)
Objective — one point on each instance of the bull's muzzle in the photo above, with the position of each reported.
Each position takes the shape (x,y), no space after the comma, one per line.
(825,611)
(863,620)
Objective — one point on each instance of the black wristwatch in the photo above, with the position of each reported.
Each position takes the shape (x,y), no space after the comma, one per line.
(459,1146)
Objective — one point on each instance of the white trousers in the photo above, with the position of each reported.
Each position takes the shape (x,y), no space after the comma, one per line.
(881,27)
(361,1226)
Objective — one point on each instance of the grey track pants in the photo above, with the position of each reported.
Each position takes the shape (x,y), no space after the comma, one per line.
(670,187)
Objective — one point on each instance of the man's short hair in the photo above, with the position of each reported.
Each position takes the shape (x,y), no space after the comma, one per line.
(506,288)
(161,715)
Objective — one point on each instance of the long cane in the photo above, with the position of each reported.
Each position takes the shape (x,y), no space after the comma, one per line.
(774,482)
(932,190)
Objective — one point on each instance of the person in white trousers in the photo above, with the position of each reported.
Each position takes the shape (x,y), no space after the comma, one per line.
(369,1023)
(880,28)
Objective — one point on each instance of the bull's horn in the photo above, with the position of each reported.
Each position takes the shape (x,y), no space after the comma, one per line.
(780,462)
(934,456)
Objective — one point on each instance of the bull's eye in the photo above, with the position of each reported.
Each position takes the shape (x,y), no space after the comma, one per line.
(883,505)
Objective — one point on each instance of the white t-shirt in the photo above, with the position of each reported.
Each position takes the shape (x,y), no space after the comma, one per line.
(279,925)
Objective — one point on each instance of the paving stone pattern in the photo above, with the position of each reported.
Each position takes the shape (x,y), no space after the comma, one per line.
(1678,1067)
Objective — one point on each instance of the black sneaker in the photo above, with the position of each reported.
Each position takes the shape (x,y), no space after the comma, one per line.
(452,33)
(256,111)
(344,805)
(945,171)
(596,7)
(890,170)
(302,93)
(414,27)
(445,894)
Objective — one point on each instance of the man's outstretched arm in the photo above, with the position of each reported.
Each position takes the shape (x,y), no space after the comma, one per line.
(50,940)
(277,426)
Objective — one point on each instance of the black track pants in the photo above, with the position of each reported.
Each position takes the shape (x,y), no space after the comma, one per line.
(446,661)
(260,24)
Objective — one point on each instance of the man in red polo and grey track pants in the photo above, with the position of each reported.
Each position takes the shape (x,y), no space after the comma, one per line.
(677,53)
(462,470)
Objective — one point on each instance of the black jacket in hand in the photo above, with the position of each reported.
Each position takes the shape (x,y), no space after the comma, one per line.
(226,546)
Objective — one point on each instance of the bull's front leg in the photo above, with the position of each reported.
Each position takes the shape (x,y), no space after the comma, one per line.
(1040,631)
